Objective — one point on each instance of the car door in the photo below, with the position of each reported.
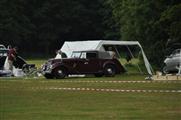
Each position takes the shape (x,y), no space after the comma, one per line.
(88,63)
(174,60)
(93,62)
(77,63)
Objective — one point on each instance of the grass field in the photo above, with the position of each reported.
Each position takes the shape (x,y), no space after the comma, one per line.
(32,99)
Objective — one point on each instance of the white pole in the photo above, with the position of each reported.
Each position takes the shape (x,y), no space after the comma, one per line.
(147,64)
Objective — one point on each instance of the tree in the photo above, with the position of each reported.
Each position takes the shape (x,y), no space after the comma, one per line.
(14,25)
(144,21)
(170,22)
(41,26)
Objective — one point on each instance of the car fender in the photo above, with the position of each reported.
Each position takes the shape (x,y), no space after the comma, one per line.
(59,64)
(109,63)
(166,60)
(119,67)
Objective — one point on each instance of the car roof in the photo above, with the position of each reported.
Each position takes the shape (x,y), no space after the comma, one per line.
(88,51)
(2,46)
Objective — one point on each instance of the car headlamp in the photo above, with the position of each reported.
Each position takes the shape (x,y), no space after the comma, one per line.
(51,66)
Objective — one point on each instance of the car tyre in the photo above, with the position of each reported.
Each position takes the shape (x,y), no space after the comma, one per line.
(59,73)
(98,74)
(109,70)
(48,76)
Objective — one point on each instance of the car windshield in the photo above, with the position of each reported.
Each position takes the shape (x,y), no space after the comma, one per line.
(3,52)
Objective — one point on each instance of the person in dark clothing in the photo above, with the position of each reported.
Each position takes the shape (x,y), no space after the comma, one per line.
(128,57)
(12,53)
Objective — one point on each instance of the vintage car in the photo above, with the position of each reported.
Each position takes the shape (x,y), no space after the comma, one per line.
(2,47)
(172,62)
(98,63)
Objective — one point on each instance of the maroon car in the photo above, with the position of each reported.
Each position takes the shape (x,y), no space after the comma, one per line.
(98,63)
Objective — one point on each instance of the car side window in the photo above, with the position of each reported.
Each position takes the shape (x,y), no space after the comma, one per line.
(83,55)
(175,53)
(91,55)
(179,52)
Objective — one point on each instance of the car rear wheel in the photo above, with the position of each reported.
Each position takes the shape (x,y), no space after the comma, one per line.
(59,73)
(109,70)
(98,74)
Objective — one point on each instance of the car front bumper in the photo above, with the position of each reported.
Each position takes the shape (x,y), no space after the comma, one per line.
(46,69)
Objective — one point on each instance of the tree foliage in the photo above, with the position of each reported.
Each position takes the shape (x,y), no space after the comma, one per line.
(151,22)
(41,26)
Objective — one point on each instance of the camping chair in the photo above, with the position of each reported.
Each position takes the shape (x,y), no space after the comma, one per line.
(30,70)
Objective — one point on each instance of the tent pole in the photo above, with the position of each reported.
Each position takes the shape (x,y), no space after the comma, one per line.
(117,51)
(134,57)
(147,64)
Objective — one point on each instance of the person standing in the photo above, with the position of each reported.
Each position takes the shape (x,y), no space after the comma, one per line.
(111,52)
(12,53)
(60,54)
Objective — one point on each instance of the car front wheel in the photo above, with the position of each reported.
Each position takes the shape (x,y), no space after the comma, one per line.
(48,76)
(59,73)
(109,70)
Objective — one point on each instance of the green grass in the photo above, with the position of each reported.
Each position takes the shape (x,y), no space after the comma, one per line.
(133,66)
(38,63)
(18,101)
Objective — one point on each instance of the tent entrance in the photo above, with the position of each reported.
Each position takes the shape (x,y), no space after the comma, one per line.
(129,56)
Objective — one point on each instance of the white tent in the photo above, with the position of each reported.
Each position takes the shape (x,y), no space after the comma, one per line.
(69,47)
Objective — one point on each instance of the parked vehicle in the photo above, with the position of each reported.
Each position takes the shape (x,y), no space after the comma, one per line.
(173,62)
(17,64)
(97,63)
(20,63)
(2,47)
(3,50)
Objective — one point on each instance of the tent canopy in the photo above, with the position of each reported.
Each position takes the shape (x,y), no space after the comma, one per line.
(69,47)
